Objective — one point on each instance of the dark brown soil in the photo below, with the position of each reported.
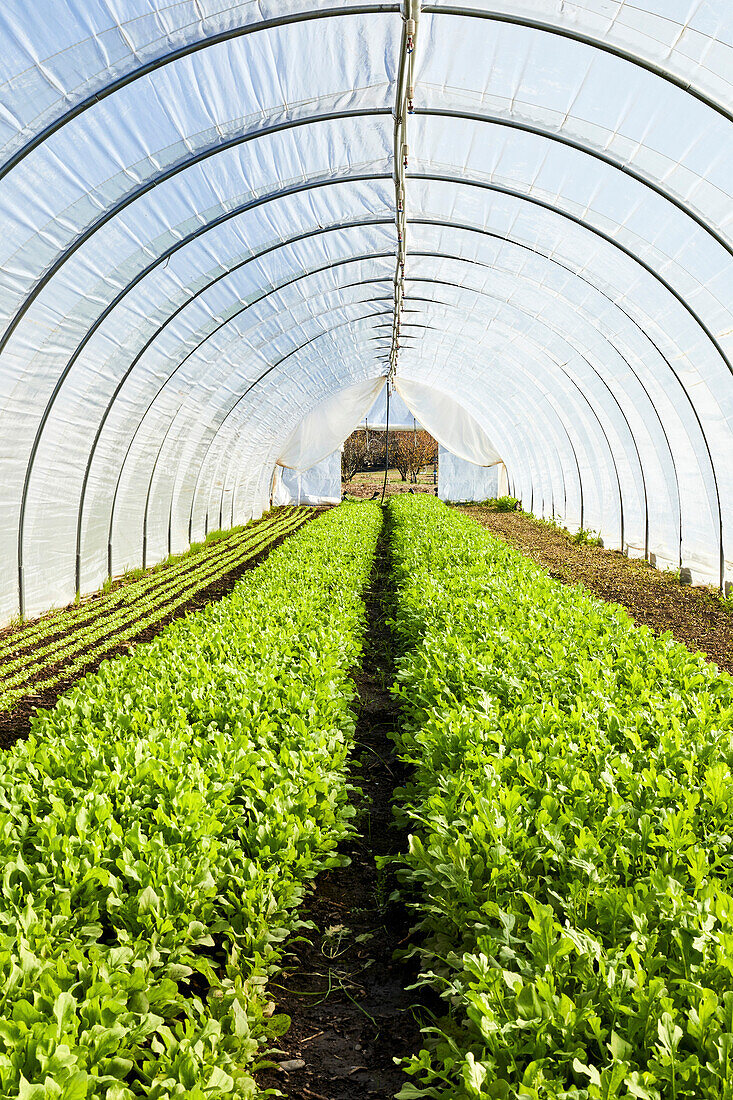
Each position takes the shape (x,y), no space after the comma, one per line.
(696,616)
(15,724)
(343,989)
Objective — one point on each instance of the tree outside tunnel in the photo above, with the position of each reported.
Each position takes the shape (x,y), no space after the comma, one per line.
(413,461)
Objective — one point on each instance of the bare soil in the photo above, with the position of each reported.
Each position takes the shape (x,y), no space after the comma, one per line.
(697,616)
(15,724)
(344,990)
(367,484)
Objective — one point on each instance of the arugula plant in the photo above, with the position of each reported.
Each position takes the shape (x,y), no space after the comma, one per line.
(571,811)
(111,621)
(161,825)
(132,585)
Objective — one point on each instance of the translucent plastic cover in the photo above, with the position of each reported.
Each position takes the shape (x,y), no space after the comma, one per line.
(217,215)
(449,421)
(319,485)
(325,428)
(459,480)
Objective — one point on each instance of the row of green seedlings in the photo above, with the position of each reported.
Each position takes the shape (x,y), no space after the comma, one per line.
(127,587)
(106,631)
(571,804)
(162,824)
(152,589)
(140,610)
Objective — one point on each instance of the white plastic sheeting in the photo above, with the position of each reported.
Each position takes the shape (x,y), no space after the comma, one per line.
(199,248)
(459,480)
(448,421)
(400,417)
(328,425)
(319,485)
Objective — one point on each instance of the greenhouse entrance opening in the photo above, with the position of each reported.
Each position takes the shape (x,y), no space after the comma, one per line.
(412,456)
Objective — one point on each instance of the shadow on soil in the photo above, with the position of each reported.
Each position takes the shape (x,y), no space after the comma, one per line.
(345,993)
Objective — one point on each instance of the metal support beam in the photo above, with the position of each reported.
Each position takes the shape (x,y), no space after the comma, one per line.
(121,470)
(586,40)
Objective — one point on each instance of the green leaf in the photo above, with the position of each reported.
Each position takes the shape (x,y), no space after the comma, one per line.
(587,1071)
(669,1033)
(474,1074)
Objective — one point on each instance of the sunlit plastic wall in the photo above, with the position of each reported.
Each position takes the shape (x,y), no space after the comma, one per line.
(459,480)
(319,485)
(199,247)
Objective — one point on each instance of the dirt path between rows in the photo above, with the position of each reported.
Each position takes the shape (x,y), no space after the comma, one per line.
(696,616)
(345,993)
(15,724)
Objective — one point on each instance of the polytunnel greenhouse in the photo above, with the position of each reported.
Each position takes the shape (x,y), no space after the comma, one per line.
(366,549)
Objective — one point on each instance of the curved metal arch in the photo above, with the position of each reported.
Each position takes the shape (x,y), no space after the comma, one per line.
(595,416)
(261,200)
(230,214)
(577,275)
(511,457)
(223,275)
(228,320)
(537,461)
(563,427)
(587,443)
(165,436)
(141,421)
(545,324)
(176,55)
(109,214)
(363,282)
(511,192)
(585,399)
(465,227)
(386,298)
(206,153)
(223,146)
(572,343)
(354,320)
(297,189)
(586,40)
(178,310)
(142,274)
(180,166)
(385,279)
(329,229)
(252,385)
(360,178)
(580,147)
(443,11)
(442,178)
(242,139)
(364,9)
(231,410)
(162,386)
(566,374)
(481,293)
